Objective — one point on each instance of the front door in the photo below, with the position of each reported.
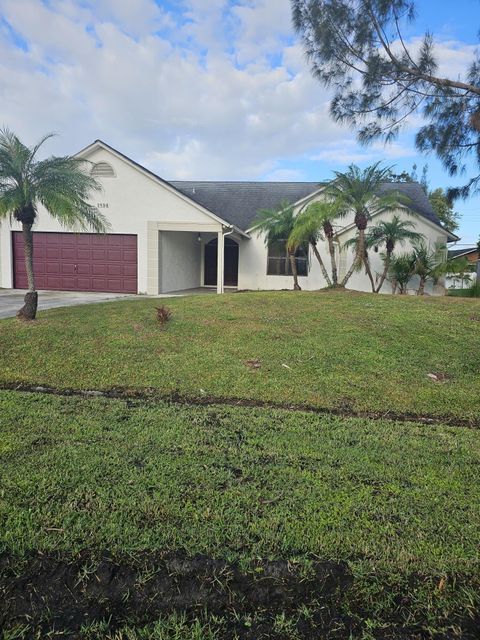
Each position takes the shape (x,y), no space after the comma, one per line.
(230,263)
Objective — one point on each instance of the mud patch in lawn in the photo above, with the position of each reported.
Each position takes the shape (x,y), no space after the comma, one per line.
(49,592)
(55,596)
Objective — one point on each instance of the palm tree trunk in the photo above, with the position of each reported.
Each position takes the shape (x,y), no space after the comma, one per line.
(359,258)
(329,233)
(349,273)
(385,271)
(362,255)
(369,273)
(293,264)
(421,288)
(29,309)
(331,249)
(321,263)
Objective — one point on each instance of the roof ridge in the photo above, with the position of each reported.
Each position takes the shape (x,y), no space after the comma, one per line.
(250,181)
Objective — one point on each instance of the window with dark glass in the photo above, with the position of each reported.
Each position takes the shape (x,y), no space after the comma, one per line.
(278,262)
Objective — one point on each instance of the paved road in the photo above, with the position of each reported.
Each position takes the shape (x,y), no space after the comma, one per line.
(12,299)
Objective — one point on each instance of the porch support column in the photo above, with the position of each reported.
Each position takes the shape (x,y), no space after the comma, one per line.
(220,262)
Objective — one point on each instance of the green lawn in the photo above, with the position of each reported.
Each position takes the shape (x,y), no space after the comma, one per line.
(346,350)
(399,502)
(268,522)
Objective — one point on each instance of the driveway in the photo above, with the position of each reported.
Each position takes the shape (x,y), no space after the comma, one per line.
(12,299)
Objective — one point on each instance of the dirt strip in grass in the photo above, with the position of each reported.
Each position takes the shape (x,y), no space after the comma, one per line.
(153,395)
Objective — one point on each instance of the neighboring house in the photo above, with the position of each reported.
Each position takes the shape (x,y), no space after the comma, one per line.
(458,281)
(471,254)
(173,236)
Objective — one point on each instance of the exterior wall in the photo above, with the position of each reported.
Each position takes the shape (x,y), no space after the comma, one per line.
(473,257)
(179,261)
(252,268)
(130,202)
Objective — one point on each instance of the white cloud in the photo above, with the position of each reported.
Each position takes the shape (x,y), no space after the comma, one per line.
(216,92)
(346,151)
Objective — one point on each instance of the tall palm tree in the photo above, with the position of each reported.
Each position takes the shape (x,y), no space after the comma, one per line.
(276,225)
(359,192)
(306,230)
(391,233)
(61,185)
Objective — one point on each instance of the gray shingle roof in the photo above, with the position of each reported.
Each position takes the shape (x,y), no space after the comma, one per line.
(239,202)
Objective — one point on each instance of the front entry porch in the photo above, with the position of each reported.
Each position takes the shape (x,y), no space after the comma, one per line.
(183,259)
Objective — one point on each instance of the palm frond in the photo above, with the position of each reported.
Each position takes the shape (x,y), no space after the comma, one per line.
(63,185)
(275,224)
(392,232)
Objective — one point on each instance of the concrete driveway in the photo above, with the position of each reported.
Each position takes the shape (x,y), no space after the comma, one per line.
(12,299)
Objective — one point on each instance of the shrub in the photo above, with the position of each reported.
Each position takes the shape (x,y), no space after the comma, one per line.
(164,315)
(473,291)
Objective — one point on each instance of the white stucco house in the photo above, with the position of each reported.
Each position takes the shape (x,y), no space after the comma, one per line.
(180,235)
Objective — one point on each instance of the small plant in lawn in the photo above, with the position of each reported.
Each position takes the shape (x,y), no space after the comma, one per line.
(164,315)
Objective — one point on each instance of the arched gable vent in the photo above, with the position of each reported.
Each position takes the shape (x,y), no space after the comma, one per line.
(103,170)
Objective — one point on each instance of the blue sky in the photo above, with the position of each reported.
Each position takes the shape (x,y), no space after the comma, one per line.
(211,89)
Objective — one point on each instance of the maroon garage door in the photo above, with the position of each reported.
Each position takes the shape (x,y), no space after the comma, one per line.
(79,262)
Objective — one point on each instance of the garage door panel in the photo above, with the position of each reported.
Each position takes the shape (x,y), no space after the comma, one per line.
(83,284)
(99,240)
(115,270)
(100,284)
(51,253)
(79,262)
(130,256)
(116,241)
(99,269)
(52,282)
(129,271)
(131,284)
(114,255)
(83,269)
(68,253)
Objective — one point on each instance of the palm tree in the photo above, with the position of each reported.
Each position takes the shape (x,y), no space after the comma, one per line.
(320,215)
(459,269)
(306,230)
(359,191)
(390,233)
(427,264)
(61,185)
(400,270)
(276,225)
